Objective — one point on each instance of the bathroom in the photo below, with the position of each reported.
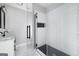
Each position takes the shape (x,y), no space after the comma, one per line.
(39,29)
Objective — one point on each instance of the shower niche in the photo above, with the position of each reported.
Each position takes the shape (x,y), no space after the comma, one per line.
(40,25)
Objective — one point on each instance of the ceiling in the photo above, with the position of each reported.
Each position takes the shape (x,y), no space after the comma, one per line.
(48,5)
(45,4)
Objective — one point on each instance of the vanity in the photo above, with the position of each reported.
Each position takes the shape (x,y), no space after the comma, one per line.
(6,40)
(7,46)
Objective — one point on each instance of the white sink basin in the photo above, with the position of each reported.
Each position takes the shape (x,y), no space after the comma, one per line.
(7,37)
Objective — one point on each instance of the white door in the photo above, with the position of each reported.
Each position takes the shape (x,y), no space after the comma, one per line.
(30,33)
(30,30)
(17,21)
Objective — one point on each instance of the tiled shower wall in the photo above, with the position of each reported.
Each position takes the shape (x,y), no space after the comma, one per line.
(62,28)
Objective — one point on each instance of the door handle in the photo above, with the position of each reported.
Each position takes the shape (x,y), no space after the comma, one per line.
(28,32)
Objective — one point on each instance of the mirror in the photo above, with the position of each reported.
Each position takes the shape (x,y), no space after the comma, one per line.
(2,17)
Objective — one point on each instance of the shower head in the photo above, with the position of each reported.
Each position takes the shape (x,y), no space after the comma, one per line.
(36,14)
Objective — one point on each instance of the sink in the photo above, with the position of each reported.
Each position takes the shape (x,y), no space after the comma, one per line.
(6,37)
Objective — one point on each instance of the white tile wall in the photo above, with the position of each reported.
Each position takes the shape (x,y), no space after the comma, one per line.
(62,28)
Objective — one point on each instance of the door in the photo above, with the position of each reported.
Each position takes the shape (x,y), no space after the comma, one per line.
(19,22)
(30,31)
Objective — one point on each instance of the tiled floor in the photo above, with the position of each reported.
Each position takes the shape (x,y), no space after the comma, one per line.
(23,51)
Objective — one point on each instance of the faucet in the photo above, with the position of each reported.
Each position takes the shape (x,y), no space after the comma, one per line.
(3,33)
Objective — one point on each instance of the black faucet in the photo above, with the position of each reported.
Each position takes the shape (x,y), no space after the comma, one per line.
(3,33)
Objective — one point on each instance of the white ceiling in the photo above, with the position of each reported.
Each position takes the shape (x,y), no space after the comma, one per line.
(48,5)
(45,4)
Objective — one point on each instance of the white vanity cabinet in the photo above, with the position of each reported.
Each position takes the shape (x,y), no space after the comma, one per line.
(6,47)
